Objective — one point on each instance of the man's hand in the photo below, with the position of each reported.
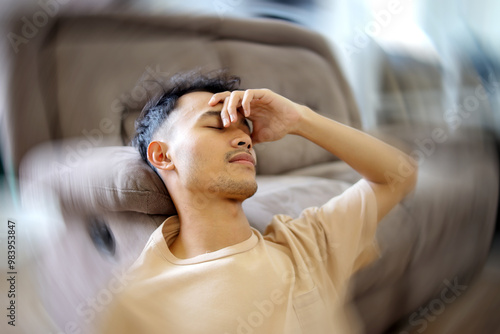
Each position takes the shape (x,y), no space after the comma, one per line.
(273,116)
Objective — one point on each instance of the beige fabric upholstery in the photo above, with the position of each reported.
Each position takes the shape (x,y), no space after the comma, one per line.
(105,179)
(87,65)
(69,83)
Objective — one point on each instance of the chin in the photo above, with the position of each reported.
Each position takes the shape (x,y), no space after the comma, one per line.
(240,190)
(252,191)
(245,191)
(236,188)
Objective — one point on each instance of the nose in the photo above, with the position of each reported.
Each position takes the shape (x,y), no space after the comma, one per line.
(245,144)
(242,141)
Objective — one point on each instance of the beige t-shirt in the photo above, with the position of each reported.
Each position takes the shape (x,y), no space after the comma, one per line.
(293,279)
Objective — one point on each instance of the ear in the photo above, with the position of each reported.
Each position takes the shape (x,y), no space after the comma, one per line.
(158,155)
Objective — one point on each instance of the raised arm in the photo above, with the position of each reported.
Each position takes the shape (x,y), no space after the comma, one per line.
(274,116)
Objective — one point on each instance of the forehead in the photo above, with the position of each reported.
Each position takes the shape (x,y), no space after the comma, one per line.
(187,110)
(194,104)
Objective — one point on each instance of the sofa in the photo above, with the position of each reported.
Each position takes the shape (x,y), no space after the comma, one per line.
(77,87)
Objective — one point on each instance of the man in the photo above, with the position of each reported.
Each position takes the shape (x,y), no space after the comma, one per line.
(206,270)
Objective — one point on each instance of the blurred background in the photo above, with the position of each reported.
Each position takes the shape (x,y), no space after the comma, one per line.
(427,49)
(447,34)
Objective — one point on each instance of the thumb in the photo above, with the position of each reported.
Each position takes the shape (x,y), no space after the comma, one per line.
(262,135)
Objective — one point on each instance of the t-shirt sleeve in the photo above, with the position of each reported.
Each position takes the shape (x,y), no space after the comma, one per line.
(341,232)
(350,223)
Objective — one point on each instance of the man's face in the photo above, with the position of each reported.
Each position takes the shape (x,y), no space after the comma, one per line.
(209,158)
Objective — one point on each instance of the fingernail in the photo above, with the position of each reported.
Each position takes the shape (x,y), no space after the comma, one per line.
(233,119)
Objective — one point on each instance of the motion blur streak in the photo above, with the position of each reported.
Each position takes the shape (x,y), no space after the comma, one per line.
(424,75)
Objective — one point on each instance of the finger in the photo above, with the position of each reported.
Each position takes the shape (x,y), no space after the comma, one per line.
(247,98)
(233,104)
(224,114)
(258,94)
(218,97)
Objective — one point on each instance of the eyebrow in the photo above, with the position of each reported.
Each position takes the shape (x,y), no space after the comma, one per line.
(210,113)
(214,113)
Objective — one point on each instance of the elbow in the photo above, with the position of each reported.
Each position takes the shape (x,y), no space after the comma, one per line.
(410,181)
(403,180)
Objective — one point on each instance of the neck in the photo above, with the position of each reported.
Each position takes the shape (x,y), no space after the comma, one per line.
(207,227)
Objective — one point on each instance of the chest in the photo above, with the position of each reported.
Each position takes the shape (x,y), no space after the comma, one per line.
(243,292)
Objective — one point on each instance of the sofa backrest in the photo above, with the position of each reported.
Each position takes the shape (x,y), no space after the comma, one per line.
(73,82)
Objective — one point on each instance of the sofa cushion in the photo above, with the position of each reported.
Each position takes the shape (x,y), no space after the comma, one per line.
(94,180)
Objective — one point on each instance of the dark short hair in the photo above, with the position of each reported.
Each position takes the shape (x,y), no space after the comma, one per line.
(158,109)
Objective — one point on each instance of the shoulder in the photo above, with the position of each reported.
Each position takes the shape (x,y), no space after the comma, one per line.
(357,200)
(345,222)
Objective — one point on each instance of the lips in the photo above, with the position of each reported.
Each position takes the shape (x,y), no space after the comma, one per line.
(243,158)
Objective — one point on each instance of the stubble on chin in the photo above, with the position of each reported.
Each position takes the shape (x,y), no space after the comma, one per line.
(229,183)
(234,189)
